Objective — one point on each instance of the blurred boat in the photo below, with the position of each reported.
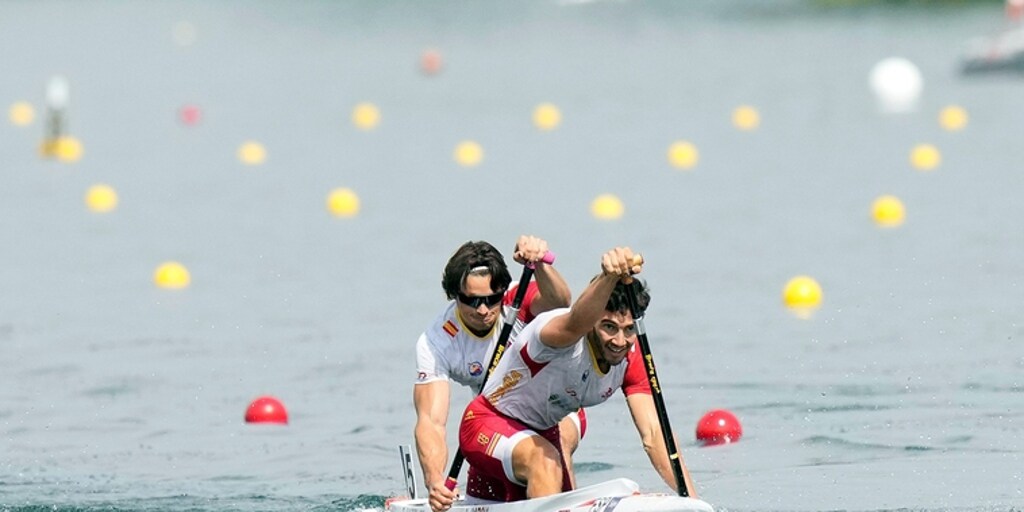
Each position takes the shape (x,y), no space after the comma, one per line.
(619,495)
(1003,52)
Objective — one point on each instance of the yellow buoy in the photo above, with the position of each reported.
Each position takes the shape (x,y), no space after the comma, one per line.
(101,198)
(21,113)
(343,202)
(546,117)
(683,154)
(607,207)
(172,275)
(887,211)
(252,153)
(469,153)
(925,157)
(802,292)
(67,149)
(953,118)
(366,116)
(746,118)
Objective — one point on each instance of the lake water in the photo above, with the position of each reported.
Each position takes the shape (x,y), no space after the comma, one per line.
(903,391)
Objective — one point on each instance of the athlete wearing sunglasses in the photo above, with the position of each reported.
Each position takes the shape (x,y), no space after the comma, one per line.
(475,301)
(458,344)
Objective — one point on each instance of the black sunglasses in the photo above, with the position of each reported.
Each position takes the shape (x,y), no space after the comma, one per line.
(475,301)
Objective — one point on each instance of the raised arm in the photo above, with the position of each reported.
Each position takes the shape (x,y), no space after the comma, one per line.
(645,417)
(564,330)
(552,290)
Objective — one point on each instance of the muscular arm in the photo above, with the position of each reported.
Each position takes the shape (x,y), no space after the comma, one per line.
(645,417)
(552,290)
(564,330)
(431,401)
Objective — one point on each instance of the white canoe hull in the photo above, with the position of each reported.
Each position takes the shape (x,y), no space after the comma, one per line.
(619,495)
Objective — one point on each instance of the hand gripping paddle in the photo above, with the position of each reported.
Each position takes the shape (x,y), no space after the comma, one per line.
(652,378)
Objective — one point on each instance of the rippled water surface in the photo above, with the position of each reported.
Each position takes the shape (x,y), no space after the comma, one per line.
(905,390)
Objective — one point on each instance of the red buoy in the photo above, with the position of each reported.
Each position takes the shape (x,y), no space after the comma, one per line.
(718,426)
(266,409)
(190,115)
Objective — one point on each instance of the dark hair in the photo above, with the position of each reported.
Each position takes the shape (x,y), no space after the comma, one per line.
(468,257)
(618,302)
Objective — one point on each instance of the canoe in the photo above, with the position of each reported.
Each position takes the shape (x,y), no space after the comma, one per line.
(619,495)
(1002,53)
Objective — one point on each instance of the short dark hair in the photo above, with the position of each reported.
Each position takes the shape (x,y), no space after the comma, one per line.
(469,256)
(618,302)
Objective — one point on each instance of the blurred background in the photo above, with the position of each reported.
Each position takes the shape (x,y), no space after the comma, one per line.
(202,203)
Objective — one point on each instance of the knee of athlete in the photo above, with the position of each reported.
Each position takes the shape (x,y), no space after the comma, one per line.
(545,470)
(538,462)
(570,441)
(549,460)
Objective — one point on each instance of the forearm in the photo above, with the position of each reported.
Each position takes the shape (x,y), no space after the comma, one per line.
(553,290)
(657,452)
(433,452)
(565,330)
(589,306)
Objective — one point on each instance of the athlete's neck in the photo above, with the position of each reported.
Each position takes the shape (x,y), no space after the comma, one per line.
(479,334)
(595,349)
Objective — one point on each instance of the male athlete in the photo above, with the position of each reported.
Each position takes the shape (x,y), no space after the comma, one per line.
(459,343)
(565,359)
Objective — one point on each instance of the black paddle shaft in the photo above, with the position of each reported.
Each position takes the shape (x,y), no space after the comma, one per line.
(499,350)
(659,400)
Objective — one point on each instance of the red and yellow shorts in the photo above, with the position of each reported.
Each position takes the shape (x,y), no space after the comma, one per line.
(487,439)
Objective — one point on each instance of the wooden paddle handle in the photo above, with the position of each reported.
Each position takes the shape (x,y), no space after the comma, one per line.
(638,261)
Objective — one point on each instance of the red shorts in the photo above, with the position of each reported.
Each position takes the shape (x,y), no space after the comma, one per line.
(486,438)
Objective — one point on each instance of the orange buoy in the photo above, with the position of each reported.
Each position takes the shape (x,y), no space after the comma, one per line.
(430,62)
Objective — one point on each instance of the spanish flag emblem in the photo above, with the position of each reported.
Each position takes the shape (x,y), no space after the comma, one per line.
(450,328)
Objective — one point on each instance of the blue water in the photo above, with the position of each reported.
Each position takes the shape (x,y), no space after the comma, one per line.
(904,391)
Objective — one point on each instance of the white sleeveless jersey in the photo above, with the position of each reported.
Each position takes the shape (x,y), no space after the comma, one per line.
(539,385)
(448,350)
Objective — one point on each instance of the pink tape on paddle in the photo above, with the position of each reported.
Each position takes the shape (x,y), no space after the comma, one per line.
(548,258)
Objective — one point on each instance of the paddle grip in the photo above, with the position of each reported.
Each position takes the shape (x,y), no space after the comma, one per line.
(638,261)
(548,258)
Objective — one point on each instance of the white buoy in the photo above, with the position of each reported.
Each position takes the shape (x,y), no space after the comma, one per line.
(55,139)
(897,84)
(58,92)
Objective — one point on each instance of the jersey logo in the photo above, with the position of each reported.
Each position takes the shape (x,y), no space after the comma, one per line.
(450,328)
(492,444)
(607,393)
(475,368)
(483,439)
(508,382)
(422,376)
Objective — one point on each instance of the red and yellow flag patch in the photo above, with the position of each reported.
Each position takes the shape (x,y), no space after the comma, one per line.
(450,328)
